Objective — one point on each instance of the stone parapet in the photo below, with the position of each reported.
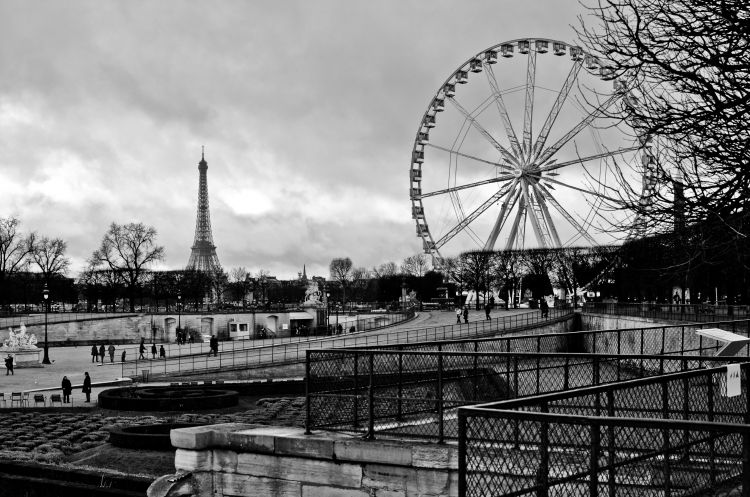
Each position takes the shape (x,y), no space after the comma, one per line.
(237,459)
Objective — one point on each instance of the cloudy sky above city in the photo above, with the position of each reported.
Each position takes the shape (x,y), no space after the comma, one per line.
(307,110)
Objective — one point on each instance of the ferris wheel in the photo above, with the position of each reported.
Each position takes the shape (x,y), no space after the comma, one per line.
(483,178)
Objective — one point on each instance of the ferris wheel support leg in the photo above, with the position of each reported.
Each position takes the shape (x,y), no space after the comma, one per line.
(504,214)
(516,222)
(545,211)
(534,220)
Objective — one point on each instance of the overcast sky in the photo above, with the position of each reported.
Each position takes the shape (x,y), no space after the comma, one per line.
(307,109)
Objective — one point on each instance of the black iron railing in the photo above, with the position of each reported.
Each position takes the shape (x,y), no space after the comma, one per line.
(670,312)
(676,434)
(410,393)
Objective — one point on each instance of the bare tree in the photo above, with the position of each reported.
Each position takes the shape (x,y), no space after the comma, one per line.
(384,270)
(128,250)
(49,256)
(341,269)
(360,276)
(475,270)
(14,251)
(415,265)
(684,69)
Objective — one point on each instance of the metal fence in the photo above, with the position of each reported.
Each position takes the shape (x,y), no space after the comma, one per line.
(675,434)
(678,339)
(670,312)
(408,393)
(263,353)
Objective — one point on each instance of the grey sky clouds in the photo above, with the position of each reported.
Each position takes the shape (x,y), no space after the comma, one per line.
(307,109)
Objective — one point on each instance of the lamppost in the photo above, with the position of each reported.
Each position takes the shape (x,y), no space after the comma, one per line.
(179,313)
(45,359)
(328,310)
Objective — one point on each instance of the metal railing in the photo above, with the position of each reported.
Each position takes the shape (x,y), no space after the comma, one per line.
(58,317)
(670,312)
(675,434)
(269,352)
(415,394)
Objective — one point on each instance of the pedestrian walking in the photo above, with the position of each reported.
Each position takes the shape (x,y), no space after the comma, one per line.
(94,353)
(153,351)
(122,357)
(466,314)
(544,307)
(67,388)
(111,353)
(162,353)
(142,349)
(9,365)
(213,346)
(102,352)
(87,386)
(487,309)
(458,315)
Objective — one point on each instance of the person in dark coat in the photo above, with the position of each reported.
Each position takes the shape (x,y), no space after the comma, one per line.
(9,365)
(213,345)
(142,349)
(94,354)
(111,350)
(162,352)
(87,386)
(67,388)
(102,351)
(122,357)
(487,309)
(466,314)
(153,350)
(544,307)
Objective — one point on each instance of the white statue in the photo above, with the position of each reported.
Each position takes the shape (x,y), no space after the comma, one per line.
(19,340)
(313,295)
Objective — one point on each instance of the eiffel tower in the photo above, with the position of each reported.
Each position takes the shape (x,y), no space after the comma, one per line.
(203,254)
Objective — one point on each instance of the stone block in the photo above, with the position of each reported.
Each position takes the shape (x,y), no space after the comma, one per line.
(305,446)
(298,469)
(389,493)
(195,438)
(193,460)
(243,442)
(324,491)
(435,456)
(433,482)
(373,451)
(242,485)
(224,461)
(383,477)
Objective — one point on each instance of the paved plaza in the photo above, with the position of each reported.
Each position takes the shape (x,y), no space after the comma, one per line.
(73,362)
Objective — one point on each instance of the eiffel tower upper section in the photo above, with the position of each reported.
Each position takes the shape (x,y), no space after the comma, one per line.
(203,254)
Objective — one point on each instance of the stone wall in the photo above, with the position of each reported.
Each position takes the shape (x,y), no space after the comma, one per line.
(129,328)
(234,460)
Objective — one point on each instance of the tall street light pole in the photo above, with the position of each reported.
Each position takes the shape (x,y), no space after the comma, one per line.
(179,311)
(45,359)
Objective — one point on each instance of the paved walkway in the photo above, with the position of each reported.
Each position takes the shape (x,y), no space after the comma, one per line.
(74,361)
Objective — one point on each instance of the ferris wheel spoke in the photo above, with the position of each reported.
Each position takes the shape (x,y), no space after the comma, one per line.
(529,104)
(568,217)
(471,217)
(500,103)
(466,186)
(582,190)
(507,206)
(545,212)
(503,151)
(468,156)
(556,107)
(581,160)
(520,214)
(549,152)
(536,222)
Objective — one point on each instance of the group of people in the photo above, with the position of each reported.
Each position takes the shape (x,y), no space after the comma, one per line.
(98,353)
(184,337)
(142,350)
(67,388)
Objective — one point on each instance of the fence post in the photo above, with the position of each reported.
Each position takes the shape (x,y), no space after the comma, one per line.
(356,389)
(461,454)
(566,376)
(542,475)
(611,448)
(595,437)
(745,464)
(475,375)
(371,402)
(308,409)
(399,406)
(712,435)
(441,426)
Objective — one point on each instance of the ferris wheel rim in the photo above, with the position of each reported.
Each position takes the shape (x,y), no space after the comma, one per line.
(483,60)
